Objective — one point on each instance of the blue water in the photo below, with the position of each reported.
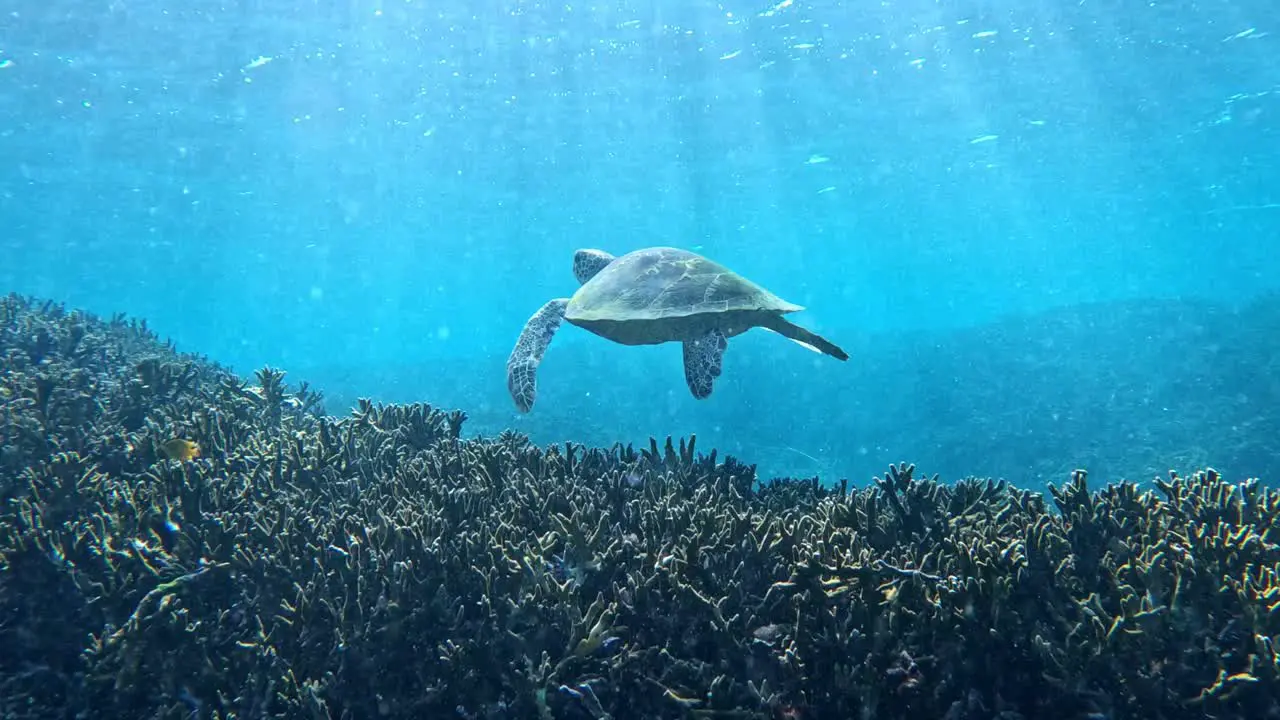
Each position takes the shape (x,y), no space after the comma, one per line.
(375,196)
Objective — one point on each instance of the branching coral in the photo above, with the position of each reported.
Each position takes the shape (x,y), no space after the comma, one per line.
(380,565)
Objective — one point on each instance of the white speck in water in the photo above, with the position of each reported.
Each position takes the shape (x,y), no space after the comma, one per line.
(317,293)
(985,34)
(442,332)
(732,55)
(257,62)
(780,6)
(817,160)
(983,139)
(1241,35)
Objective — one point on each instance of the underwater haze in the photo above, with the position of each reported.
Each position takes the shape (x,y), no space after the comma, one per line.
(1045,232)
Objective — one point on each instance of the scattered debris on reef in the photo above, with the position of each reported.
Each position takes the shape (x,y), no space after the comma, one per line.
(379,565)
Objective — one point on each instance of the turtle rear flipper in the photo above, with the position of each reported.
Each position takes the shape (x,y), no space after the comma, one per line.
(702,361)
(522,364)
(809,339)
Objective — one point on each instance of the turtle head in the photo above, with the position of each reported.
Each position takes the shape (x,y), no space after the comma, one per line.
(588,262)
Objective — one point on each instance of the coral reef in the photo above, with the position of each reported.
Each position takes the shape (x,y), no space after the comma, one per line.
(381,565)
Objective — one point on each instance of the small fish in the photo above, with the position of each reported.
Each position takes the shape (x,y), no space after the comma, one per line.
(180,449)
(768,634)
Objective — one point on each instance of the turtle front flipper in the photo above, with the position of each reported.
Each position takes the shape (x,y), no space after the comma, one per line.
(522,365)
(702,361)
(587,262)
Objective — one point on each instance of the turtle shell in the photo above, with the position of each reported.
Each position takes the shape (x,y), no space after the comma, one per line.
(663,283)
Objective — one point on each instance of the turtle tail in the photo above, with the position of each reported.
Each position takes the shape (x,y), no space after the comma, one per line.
(811,340)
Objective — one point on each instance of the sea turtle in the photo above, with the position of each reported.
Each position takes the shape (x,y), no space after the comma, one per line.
(656,295)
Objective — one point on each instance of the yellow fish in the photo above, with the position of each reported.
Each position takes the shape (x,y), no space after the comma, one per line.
(180,449)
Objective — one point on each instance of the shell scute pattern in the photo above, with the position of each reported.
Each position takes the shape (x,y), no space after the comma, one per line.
(668,283)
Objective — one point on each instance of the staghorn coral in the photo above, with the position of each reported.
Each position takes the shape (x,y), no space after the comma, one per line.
(380,565)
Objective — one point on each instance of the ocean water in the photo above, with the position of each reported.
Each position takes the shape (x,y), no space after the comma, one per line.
(1038,227)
